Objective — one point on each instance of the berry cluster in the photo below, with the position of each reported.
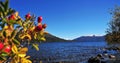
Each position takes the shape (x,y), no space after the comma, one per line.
(4,48)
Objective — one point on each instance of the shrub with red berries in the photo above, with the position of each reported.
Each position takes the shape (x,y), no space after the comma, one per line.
(16,33)
(39,19)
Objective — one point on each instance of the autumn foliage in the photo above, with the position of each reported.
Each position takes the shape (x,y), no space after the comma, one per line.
(16,34)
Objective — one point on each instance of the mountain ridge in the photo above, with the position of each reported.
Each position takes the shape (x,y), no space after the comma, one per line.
(52,38)
(90,38)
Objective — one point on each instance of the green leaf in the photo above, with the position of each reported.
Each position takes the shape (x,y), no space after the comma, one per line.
(14,33)
(36,46)
(2,58)
(2,12)
(4,34)
(12,22)
(10,11)
(16,41)
(3,24)
(2,4)
(4,54)
(6,5)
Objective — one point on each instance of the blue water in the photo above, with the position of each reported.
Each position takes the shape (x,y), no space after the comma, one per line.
(66,51)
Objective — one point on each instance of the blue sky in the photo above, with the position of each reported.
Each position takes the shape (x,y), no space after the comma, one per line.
(69,19)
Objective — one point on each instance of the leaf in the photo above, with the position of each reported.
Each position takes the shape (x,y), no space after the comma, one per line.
(4,54)
(23,50)
(10,11)
(29,37)
(16,41)
(2,4)
(12,21)
(19,22)
(14,49)
(27,57)
(4,34)
(2,11)
(6,5)
(28,61)
(35,36)
(3,24)
(36,46)
(24,60)
(43,39)
(14,33)
(21,55)
(2,58)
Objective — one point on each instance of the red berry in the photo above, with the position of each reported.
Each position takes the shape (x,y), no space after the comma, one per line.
(1,45)
(44,26)
(12,17)
(28,16)
(7,49)
(39,19)
(38,28)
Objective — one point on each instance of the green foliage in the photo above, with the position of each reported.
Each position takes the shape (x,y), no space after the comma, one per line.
(14,28)
(113,32)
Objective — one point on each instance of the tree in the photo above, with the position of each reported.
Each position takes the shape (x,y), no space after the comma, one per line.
(113,32)
(16,33)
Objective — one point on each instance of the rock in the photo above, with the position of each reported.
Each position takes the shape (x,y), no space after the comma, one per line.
(103,62)
(100,55)
(94,60)
(112,57)
(105,55)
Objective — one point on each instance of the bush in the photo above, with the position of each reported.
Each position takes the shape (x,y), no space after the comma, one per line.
(16,33)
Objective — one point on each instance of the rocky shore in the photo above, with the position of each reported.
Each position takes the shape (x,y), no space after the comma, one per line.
(106,57)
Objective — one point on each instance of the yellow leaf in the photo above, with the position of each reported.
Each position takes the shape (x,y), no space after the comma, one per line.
(25,36)
(29,37)
(43,39)
(36,46)
(41,33)
(5,27)
(27,57)
(23,50)
(32,28)
(14,49)
(24,60)
(16,14)
(28,61)
(35,36)
(21,55)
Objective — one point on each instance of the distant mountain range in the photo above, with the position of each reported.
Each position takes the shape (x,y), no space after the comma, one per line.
(90,39)
(51,38)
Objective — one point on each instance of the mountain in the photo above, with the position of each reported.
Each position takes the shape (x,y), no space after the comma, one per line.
(90,39)
(51,38)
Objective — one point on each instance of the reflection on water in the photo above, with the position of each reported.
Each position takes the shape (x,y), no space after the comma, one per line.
(66,51)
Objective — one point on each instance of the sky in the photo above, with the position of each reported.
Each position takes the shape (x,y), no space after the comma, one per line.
(69,19)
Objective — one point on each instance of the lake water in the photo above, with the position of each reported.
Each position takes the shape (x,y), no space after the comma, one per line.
(66,51)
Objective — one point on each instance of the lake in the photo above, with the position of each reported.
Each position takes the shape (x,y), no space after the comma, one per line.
(67,51)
